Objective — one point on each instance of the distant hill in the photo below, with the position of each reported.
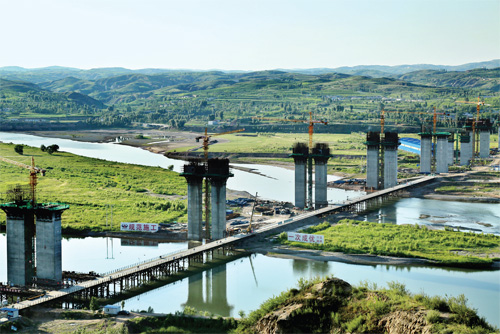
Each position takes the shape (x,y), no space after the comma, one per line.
(20,96)
(384,71)
(485,79)
(131,87)
(52,73)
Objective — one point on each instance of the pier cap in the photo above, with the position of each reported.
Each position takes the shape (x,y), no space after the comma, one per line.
(372,138)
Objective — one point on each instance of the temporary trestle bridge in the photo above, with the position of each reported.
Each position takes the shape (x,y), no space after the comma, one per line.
(132,276)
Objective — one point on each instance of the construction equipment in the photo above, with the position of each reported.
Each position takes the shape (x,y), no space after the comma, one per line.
(249,228)
(33,175)
(475,133)
(206,141)
(311,123)
(434,119)
(434,122)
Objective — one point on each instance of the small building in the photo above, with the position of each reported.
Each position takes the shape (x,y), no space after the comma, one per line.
(111,309)
(12,313)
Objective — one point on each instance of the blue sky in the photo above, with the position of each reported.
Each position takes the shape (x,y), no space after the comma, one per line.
(247,34)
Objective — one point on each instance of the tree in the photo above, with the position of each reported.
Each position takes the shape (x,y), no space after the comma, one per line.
(94,304)
(19,149)
(43,148)
(52,148)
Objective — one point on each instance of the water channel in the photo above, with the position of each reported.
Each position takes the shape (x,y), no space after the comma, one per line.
(243,284)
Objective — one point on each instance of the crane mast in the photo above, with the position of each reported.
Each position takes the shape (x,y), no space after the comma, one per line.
(311,123)
(206,139)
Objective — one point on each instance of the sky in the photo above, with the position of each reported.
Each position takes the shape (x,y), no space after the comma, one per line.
(247,34)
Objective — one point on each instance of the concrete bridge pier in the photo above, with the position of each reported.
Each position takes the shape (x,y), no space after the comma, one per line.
(391,143)
(484,127)
(48,243)
(442,155)
(372,160)
(20,243)
(300,153)
(321,154)
(465,148)
(425,152)
(218,173)
(194,173)
(451,149)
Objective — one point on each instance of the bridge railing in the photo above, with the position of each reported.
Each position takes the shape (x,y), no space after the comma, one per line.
(160,257)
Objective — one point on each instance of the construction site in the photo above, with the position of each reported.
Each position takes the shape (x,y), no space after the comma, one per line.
(34,229)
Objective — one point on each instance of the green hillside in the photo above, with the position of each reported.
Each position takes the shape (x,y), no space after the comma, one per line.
(484,79)
(25,99)
(178,98)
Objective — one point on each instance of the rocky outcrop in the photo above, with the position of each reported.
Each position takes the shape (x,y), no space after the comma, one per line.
(289,318)
(406,322)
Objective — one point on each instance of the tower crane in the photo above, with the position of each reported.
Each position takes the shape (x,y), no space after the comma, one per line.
(33,175)
(475,133)
(434,118)
(311,123)
(206,139)
(434,122)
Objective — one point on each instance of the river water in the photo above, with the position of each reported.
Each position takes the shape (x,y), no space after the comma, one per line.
(275,183)
(243,284)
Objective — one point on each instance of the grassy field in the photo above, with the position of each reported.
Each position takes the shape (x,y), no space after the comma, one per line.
(349,145)
(356,237)
(282,143)
(92,186)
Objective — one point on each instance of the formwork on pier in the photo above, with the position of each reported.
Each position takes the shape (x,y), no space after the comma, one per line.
(22,232)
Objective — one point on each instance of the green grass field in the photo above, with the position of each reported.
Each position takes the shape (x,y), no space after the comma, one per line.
(356,237)
(89,186)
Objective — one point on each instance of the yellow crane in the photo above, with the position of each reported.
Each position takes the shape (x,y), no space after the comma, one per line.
(311,123)
(206,139)
(33,175)
(475,133)
(434,118)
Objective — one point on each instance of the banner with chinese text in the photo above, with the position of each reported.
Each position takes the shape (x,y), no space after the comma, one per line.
(309,238)
(139,227)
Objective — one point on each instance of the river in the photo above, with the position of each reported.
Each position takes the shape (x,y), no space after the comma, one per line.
(275,183)
(243,284)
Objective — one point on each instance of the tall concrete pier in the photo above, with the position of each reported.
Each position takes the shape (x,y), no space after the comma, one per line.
(442,152)
(48,243)
(194,173)
(425,152)
(465,148)
(372,160)
(484,127)
(20,242)
(218,173)
(21,230)
(391,143)
(321,154)
(300,154)
(451,149)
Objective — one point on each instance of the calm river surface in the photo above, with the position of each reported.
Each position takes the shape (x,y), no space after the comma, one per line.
(243,284)
(276,184)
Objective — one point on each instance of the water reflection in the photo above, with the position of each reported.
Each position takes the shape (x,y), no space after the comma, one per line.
(214,297)
(310,268)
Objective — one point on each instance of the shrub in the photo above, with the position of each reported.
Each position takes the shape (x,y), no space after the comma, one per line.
(433,316)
